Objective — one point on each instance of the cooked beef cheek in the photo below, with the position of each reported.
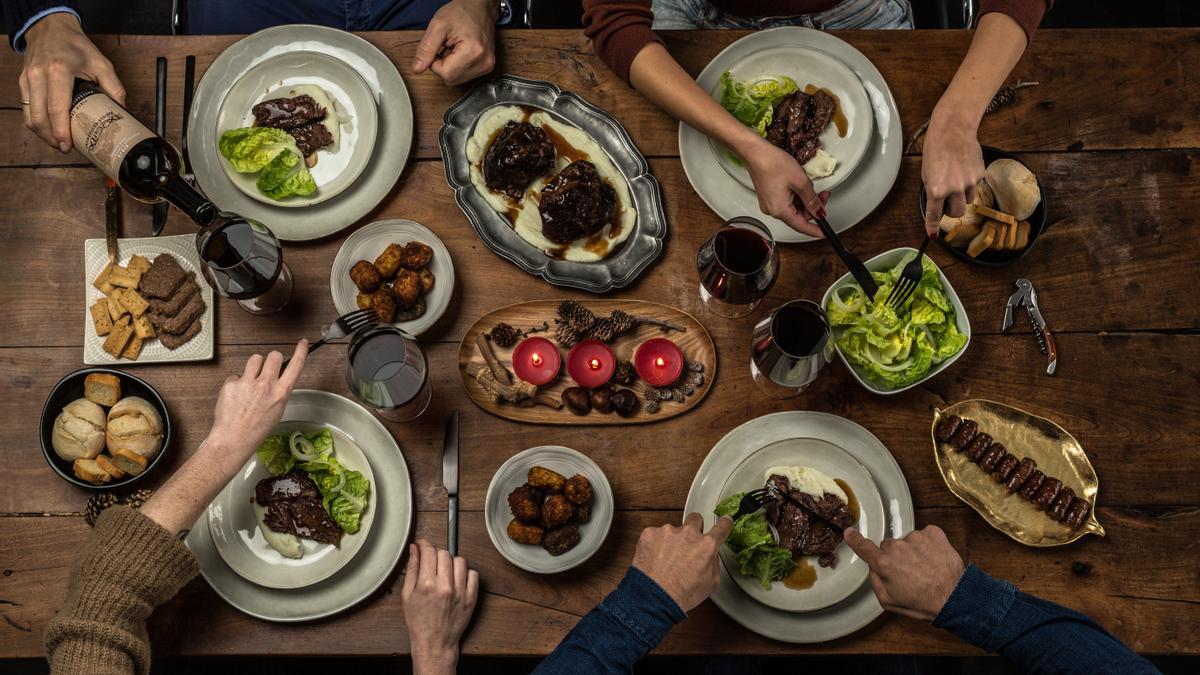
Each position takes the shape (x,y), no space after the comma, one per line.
(576,203)
(520,154)
(807,525)
(288,113)
(311,137)
(294,506)
(797,120)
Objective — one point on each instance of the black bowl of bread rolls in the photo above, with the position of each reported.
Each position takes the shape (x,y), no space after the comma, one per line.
(102,428)
(1006,218)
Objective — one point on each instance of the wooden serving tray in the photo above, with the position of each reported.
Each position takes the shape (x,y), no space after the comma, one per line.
(695,343)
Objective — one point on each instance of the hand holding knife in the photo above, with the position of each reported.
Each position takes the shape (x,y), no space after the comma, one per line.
(450,481)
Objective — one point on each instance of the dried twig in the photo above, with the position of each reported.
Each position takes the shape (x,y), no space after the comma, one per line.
(513,393)
(498,370)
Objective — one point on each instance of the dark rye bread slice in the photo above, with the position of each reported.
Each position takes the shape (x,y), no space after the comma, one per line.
(163,278)
(172,305)
(175,341)
(180,322)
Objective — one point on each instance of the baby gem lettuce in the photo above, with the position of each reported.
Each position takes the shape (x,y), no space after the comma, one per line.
(273,155)
(896,349)
(752,545)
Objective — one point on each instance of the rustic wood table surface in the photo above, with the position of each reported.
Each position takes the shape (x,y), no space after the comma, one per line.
(1112,133)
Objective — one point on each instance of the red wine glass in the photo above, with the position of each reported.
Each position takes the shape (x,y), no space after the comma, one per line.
(738,265)
(789,347)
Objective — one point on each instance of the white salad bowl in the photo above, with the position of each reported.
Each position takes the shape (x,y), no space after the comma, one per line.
(880,263)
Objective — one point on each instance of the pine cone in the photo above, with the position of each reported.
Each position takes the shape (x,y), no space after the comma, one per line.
(503,335)
(579,317)
(622,322)
(96,505)
(137,498)
(603,330)
(566,335)
(625,373)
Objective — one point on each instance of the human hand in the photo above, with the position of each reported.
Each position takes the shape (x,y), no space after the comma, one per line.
(439,598)
(784,190)
(951,166)
(56,52)
(682,559)
(459,44)
(250,405)
(913,576)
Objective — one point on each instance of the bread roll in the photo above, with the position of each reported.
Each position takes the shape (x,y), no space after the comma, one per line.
(1015,188)
(78,431)
(105,462)
(129,461)
(134,424)
(90,471)
(969,224)
(102,388)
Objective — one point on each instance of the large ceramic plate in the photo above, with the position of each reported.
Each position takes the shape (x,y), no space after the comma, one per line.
(615,271)
(854,199)
(512,474)
(832,585)
(861,607)
(369,569)
(367,243)
(1056,452)
(808,67)
(393,137)
(183,247)
(239,537)
(337,166)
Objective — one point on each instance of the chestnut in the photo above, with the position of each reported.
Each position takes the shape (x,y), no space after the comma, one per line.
(577,400)
(602,399)
(625,402)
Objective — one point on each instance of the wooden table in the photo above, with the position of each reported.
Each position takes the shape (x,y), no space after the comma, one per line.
(1111,132)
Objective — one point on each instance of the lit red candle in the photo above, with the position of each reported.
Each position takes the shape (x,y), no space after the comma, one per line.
(536,360)
(591,363)
(658,362)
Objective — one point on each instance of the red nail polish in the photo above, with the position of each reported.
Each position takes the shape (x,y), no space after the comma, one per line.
(821,214)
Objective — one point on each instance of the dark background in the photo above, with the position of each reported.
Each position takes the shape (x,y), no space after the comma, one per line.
(153,16)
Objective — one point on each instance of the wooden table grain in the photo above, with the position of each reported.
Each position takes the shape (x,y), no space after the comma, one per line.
(1112,132)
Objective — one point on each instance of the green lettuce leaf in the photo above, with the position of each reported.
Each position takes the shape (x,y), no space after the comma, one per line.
(729,505)
(286,175)
(748,532)
(274,454)
(766,563)
(347,505)
(752,103)
(250,149)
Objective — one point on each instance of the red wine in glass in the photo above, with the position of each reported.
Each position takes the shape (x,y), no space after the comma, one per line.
(387,371)
(738,266)
(789,348)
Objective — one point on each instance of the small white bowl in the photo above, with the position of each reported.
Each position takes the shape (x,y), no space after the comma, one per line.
(513,474)
(886,261)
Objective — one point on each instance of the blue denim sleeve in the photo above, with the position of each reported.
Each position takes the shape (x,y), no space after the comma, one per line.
(622,629)
(1036,635)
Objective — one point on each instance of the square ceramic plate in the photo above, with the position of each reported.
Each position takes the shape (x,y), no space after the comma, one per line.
(886,261)
(95,257)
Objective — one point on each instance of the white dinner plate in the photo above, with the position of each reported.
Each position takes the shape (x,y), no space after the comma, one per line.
(183,247)
(392,505)
(816,68)
(389,156)
(367,243)
(855,198)
(337,168)
(860,607)
(512,474)
(234,523)
(833,584)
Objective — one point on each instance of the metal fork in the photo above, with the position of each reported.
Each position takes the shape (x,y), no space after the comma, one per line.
(341,327)
(909,278)
(753,501)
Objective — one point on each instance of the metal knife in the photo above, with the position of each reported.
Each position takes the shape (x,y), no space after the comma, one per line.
(159,210)
(450,480)
(189,86)
(112,219)
(857,269)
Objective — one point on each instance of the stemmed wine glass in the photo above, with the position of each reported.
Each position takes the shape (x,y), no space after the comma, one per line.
(243,260)
(789,347)
(387,371)
(738,265)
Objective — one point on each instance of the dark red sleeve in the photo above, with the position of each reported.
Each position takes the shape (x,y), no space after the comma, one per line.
(1027,13)
(619,30)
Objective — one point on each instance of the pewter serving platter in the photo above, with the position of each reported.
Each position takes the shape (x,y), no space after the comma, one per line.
(615,271)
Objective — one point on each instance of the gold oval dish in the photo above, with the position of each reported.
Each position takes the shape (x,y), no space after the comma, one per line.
(1056,452)
(695,343)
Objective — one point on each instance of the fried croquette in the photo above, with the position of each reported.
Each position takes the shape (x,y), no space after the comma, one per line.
(578,489)
(426,280)
(558,542)
(389,261)
(556,510)
(412,313)
(363,300)
(416,255)
(525,504)
(407,288)
(546,480)
(583,513)
(365,276)
(523,533)
(384,304)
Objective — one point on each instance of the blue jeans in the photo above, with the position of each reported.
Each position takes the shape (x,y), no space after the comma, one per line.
(848,15)
(223,17)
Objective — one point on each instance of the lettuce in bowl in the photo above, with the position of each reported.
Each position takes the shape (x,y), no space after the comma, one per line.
(890,351)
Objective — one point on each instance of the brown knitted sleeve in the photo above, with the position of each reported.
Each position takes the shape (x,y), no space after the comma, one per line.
(128,566)
(1027,13)
(619,30)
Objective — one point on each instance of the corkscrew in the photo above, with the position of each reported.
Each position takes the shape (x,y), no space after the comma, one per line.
(1027,297)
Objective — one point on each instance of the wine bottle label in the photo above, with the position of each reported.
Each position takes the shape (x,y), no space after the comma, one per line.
(104,131)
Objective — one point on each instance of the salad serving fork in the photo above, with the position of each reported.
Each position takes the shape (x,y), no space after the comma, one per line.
(909,278)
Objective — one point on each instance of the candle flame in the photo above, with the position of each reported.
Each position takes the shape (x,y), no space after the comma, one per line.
(537,359)
(660,362)
(594,364)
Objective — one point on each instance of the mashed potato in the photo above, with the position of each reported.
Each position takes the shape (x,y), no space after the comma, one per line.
(808,480)
(821,165)
(524,215)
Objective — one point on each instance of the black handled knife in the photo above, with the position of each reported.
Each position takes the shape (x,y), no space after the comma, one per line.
(159,210)
(450,480)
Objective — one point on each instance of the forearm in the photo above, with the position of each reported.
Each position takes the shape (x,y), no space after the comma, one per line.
(180,501)
(1036,635)
(996,47)
(657,76)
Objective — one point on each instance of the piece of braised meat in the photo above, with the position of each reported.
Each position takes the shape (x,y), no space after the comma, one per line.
(293,504)
(311,137)
(520,154)
(806,525)
(288,113)
(576,203)
(797,121)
